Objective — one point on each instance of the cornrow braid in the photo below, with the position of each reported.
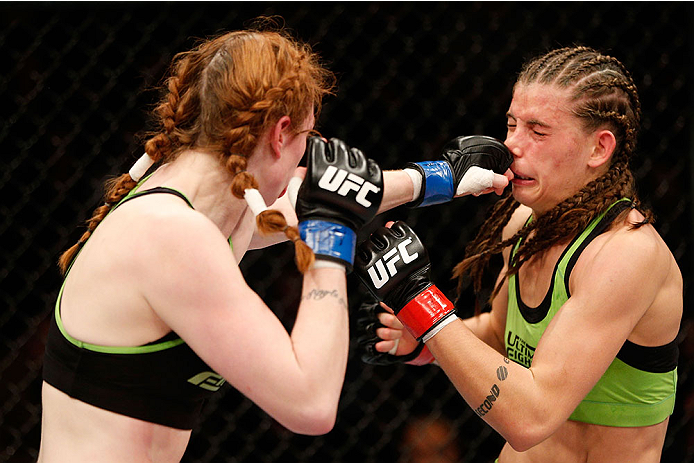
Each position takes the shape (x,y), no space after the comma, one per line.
(603,95)
(532,68)
(622,84)
(557,64)
(572,74)
(629,88)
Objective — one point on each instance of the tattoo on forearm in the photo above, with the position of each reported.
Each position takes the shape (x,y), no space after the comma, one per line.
(320,294)
(502,371)
(486,406)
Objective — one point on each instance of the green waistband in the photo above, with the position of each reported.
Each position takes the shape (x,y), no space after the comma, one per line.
(627,397)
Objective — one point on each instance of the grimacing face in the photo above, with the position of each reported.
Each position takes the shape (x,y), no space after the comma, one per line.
(550,147)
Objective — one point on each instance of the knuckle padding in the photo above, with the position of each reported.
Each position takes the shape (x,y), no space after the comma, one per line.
(486,152)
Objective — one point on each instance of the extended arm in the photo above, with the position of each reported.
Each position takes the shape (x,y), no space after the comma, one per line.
(469,165)
(473,164)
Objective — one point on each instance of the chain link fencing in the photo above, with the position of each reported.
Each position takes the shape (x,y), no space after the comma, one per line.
(75,90)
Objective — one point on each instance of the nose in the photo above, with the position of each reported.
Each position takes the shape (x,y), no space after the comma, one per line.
(513,144)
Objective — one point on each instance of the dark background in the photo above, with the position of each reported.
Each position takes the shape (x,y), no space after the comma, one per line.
(76,84)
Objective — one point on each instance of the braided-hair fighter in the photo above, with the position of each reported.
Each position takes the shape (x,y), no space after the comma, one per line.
(155,315)
(577,359)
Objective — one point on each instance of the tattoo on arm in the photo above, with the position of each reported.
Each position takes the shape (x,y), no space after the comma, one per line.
(486,406)
(320,294)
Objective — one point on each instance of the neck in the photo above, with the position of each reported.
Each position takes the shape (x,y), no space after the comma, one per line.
(206,183)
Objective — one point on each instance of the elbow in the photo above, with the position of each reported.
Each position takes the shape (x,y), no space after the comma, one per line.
(320,424)
(522,443)
(524,436)
(312,419)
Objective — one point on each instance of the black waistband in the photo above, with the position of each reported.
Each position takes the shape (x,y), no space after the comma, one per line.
(656,359)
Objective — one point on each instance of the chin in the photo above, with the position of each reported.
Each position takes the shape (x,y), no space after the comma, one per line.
(525,201)
(518,195)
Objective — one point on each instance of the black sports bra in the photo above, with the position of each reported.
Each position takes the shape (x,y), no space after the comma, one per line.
(163,382)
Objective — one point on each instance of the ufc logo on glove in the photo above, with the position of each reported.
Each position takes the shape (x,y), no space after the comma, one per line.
(328,213)
(377,272)
(342,182)
(408,290)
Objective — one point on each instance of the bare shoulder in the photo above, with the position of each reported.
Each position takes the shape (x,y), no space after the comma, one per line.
(168,232)
(641,246)
(632,251)
(632,271)
(186,264)
(516,222)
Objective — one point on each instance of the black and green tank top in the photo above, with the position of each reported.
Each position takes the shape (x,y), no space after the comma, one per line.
(638,388)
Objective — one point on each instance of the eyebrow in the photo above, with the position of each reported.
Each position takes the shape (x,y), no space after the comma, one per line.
(530,121)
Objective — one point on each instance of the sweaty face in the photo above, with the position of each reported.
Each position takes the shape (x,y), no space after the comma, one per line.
(549,146)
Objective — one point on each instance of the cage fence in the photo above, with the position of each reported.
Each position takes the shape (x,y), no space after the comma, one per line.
(76,86)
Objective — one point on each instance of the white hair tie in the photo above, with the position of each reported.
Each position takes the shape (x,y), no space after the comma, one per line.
(293,190)
(255,200)
(141,166)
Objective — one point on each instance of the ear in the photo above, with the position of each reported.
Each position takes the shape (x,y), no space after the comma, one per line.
(278,134)
(605,143)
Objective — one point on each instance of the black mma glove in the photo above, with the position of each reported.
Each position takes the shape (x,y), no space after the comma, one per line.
(342,191)
(468,166)
(394,266)
(367,324)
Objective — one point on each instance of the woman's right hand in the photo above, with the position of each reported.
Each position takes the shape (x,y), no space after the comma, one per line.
(395,339)
(383,340)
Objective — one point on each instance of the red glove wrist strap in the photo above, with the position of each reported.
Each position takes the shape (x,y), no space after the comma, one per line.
(424,311)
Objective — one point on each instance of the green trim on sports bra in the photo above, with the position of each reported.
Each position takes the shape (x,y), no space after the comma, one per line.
(148,348)
(110,349)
